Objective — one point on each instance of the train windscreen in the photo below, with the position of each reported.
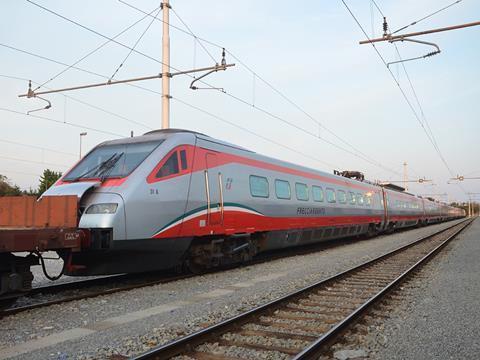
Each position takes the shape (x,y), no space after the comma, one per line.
(112,161)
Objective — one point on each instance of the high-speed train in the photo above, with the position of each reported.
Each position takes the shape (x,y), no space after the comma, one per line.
(175,198)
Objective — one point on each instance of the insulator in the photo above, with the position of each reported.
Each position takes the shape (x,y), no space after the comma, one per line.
(224,62)
(385,26)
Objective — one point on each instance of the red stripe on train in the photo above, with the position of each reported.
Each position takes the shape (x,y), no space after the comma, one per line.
(241,222)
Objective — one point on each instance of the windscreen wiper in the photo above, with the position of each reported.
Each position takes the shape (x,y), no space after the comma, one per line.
(108,167)
(95,168)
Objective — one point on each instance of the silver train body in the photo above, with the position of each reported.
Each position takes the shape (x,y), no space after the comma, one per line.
(175,198)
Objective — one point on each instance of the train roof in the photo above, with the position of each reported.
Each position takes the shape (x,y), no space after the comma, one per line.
(151,135)
(163,132)
(172,131)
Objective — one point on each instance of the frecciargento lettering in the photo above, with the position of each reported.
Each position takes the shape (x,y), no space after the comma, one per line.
(310,211)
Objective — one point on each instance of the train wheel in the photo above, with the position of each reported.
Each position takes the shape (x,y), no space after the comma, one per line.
(371,232)
(191,266)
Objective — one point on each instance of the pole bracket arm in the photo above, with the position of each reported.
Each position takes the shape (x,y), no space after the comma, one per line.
(432,53)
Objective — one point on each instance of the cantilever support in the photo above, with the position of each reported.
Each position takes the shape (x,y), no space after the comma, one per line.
(432,53)
(31,94)
(217,68)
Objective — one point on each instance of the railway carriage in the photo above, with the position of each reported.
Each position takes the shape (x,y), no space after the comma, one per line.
(175,197)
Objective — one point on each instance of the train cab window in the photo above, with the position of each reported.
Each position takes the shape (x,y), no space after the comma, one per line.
(170,167)
(351,198)
(183,159)
(282,189)
(317,193)
(360,199)
(301,191)
(342,197)
(330,194)
(259,186)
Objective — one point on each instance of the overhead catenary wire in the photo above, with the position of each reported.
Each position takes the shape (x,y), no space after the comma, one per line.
(363,157)
(235,97)
(192,34)
(107,37)
(237,59)
(429,136)
(96,107)
(399,87)
(428,129)
(424,118)
(62,122)
(378,8)
(32,161)
(179,100)
(231,95)
(149,90)
(414,92)
(95,32)
(425,17)
(73,67)
(252,132)
(38,147)
(95,50)
(135,45)
(305,131)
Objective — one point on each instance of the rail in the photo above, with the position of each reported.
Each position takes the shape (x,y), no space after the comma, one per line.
(358,276)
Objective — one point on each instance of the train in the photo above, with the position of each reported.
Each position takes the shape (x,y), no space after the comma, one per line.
(177,198)
(181,200)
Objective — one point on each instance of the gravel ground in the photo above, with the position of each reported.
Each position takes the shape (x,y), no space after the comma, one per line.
(442,318)
(131,322)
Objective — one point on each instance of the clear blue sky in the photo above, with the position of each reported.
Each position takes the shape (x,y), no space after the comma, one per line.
(309,51)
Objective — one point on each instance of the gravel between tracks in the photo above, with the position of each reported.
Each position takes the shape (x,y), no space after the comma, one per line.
(197,302)
(441,320)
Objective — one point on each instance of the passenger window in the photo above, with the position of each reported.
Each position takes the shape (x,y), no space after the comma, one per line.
(170,167)
(359,199)
(330,193)
(368,200)
(183,159)
(301,191)
(342,198)
(351,198)
(282,189)
(259,186)
(317,192)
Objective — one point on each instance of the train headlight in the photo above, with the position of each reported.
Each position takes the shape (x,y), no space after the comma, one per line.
(102,208)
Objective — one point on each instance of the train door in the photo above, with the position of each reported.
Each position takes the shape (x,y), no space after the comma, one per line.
(214,190)
(385,208)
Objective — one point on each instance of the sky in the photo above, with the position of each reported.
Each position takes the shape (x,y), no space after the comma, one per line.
(302,90)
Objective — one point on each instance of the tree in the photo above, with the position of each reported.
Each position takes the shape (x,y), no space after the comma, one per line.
(48,178)
(6,189)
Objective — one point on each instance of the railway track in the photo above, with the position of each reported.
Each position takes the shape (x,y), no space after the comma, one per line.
(89,288)
(303,324)
(84,289)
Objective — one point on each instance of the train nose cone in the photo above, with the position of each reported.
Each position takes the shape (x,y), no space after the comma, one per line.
(76,188)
